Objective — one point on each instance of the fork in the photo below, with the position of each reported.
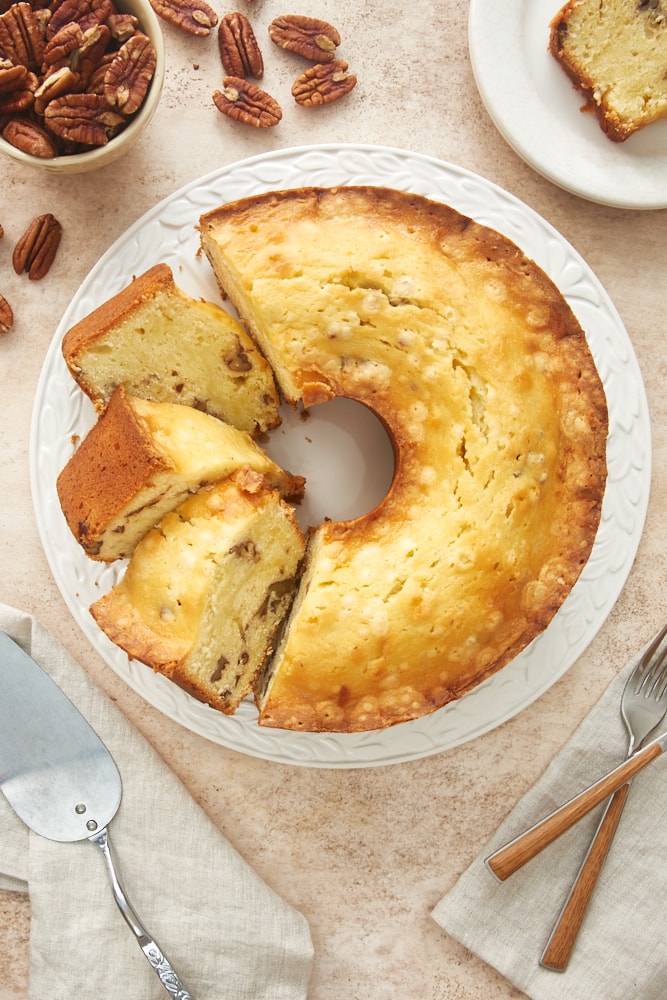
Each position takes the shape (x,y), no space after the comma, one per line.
(643,707)
(513,855)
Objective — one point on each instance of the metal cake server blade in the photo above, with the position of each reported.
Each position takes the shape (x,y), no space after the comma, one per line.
(61,780)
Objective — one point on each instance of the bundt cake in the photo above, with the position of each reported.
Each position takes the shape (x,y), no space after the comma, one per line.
(206,590)
(163,345)
(615,52)
(142,459)
(482,375)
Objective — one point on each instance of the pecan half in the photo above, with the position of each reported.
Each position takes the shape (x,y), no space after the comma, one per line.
(91,52)
(87,13)
(36,251)
(29,137)
(239,51)
(16,101)
(243,101)
(84,118)
(96,81)
(323,84)
(6,315)
(195,17)
(61,81)
(98,14)
(129,75)
(62,46)
(307,36)
(21,39)
(12,77)
(122,26)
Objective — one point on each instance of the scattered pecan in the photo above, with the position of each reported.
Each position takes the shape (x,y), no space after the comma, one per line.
(243,101)
(239,51)
(129,75)
(307,36)
(195,17)
(29,137)
(83,118)
(323,84)
(6,315)
(36,251)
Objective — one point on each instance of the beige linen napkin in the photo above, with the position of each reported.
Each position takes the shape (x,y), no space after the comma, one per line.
(228,935)
(621,952)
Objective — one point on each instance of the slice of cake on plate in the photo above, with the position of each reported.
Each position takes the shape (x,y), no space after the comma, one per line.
(615,52)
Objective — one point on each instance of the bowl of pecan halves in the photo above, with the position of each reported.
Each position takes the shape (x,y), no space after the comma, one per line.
(79,80)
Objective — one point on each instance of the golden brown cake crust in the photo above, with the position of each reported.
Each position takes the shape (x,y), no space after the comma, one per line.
(482,375)
(114,310)
(112,466)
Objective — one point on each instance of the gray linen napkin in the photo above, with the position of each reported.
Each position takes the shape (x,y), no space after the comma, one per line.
(228,935)
(621,952)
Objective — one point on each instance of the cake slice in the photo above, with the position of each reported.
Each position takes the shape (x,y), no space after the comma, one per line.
(163,345)
(205,592)
(141,460)
(615,52)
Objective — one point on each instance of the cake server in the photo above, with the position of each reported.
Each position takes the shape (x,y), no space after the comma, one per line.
(61,780)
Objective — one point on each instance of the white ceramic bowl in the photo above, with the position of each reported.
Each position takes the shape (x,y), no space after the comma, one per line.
(100,156)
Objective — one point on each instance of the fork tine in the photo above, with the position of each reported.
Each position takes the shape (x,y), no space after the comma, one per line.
(655,675)
(649,660)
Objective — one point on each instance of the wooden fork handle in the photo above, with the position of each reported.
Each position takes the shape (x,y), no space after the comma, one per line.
(508,859)
(558,950)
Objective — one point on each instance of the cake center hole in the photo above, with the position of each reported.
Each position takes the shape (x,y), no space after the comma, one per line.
(344,453)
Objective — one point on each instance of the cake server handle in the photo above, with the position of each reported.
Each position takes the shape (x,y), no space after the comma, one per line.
(156,957)
(514,855)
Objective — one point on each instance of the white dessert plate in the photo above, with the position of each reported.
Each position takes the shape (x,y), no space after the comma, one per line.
(168,233)
(536,109)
